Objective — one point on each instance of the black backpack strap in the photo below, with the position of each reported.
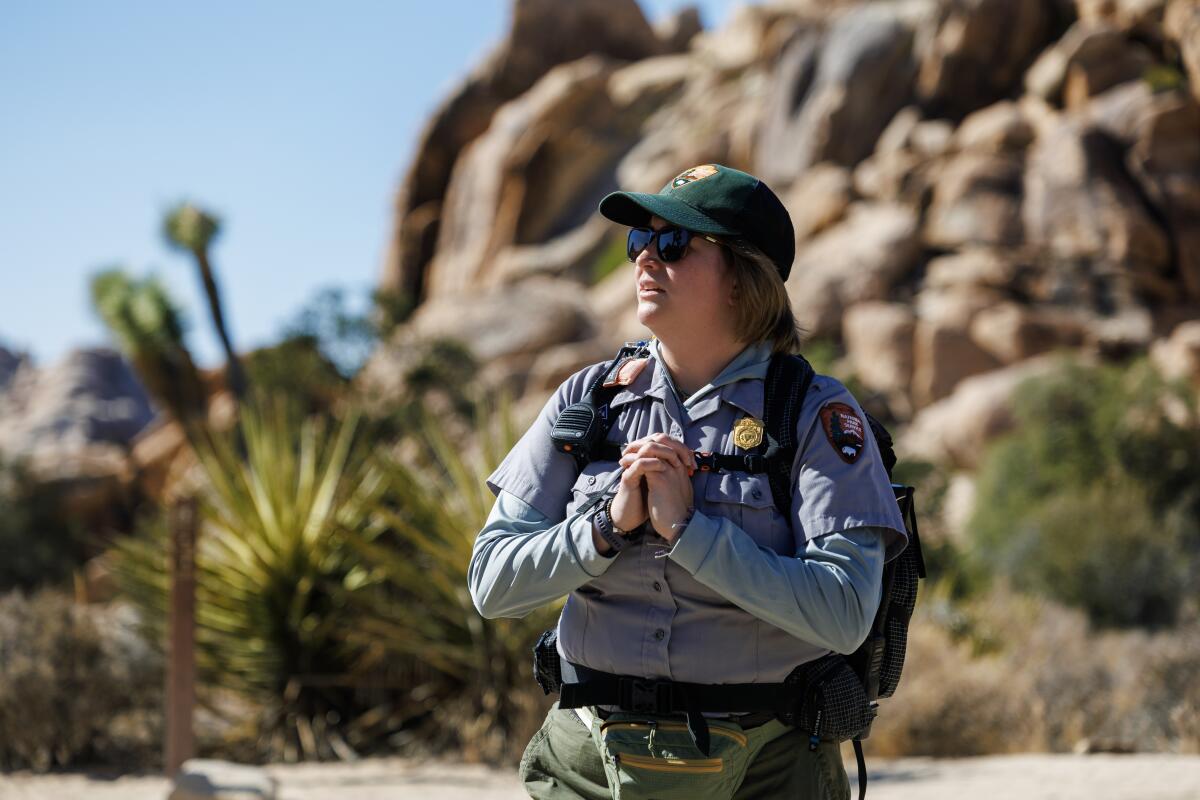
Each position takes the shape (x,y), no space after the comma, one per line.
(862,769)
(883,439)
(788,380)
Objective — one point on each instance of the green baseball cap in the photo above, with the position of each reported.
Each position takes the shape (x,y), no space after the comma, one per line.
(716,200)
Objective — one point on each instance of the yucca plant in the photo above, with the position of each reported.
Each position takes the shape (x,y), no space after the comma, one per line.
(149,329)
(273,571)
(422,609)
(192,230)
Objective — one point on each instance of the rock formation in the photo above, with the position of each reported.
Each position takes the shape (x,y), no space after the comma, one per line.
(975,184)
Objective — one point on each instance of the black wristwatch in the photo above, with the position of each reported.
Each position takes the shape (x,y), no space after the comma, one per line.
(608,532)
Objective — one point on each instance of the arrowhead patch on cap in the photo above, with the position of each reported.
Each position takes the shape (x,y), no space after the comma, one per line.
(845,431)
(694,174)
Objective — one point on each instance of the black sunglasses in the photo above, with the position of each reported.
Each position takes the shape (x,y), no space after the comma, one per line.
(672,242)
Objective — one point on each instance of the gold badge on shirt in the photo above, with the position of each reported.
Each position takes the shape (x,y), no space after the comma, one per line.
(748,433)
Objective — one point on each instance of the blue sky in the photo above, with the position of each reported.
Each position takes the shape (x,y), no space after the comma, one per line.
(292,121)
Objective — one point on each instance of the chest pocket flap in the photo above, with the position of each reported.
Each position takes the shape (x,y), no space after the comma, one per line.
(739,488)
(746,501)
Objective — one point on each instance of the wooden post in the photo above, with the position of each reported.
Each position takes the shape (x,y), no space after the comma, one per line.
(181,627)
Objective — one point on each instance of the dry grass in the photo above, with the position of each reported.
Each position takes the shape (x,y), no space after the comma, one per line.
(1010,674)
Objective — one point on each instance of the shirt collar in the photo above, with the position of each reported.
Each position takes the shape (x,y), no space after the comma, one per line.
(738,384)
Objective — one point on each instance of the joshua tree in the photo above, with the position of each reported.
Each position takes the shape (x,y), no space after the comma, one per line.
(146,324)
(191,229)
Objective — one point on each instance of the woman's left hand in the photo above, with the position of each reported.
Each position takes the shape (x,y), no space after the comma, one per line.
(668,499)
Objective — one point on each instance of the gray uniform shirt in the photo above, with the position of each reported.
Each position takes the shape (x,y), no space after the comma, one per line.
(745,594)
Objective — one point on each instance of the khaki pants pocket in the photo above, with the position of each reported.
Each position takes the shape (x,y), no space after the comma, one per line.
(647,758)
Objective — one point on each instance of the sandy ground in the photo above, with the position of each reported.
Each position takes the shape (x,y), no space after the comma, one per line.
(1027,777)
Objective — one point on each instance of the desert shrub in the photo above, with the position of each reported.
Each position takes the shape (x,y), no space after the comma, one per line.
(343,337)
(296,368)
(77,685)
(1007,672)
(39,545)
(1093,499)
(487,705)
(272,573)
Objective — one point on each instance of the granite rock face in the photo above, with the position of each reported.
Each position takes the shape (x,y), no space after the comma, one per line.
(974,184)
(88,407)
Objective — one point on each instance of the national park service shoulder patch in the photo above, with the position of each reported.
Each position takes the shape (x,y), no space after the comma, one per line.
(845,431)
(694,174)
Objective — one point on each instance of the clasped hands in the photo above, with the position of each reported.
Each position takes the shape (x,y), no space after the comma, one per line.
(656,485)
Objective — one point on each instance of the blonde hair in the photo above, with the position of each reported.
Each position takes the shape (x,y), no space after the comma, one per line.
(763,311)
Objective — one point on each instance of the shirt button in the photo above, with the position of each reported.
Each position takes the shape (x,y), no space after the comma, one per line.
(591,479)
(657,586)
(756,494)
(659,634)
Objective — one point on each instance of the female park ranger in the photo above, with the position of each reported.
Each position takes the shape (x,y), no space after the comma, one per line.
(677,574)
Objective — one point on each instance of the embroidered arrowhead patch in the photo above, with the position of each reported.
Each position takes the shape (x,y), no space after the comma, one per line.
(845,431)
(694,174)
(627,372)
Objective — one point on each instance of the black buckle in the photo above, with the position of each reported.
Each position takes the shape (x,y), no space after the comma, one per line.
(756,463)
(706,462)
(644,696)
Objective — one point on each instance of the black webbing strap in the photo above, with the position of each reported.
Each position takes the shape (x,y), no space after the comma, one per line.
(753,463)
(648,696)
(862,769)
(788,380)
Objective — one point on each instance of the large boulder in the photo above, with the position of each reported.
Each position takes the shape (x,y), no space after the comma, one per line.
(72,424)
(1143,17)
(570,255)
(980,51)
(957,429)
(879,345)
(972,267)
(976,200)
(944,354)
(819,199)
(504,328)
(1081,204)
(994,130)
(859,259)
(84,410)
(1165,160)
(1089,59)
(515,319)
(906,160)
(834,93)
(10,362)
(1182,26)
(1178,356)
(1012,331)
(535,174)
(542,35)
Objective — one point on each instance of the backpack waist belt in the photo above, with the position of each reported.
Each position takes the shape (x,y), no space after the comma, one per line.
(650,696)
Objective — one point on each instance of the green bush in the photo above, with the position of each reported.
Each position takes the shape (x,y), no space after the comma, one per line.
(1093,500)
(77,686)
(296,368)
(38,544)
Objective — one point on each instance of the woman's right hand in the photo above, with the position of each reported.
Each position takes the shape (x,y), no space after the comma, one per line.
(654,453)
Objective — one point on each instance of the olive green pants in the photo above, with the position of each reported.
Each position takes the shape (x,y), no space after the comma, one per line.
(562,762)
